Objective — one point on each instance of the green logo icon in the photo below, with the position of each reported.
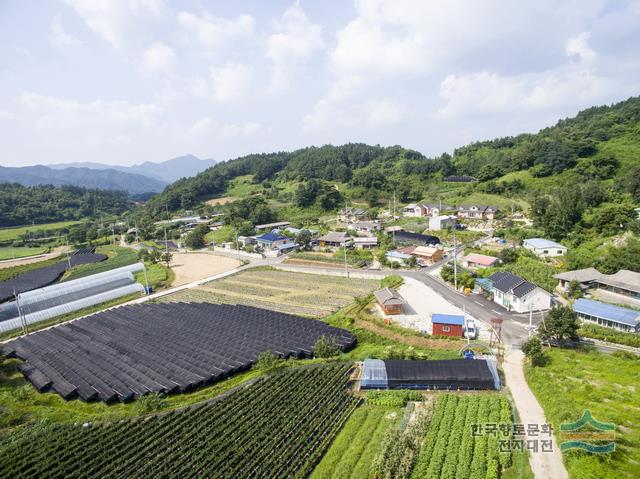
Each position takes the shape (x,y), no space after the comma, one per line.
(588,434)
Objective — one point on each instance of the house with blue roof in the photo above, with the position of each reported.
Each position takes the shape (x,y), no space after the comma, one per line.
(269,241)
(608,315)
(544,248)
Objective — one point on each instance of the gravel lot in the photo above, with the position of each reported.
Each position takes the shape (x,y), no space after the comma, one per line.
(422,302)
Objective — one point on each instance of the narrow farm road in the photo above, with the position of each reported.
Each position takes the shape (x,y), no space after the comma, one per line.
(545,465)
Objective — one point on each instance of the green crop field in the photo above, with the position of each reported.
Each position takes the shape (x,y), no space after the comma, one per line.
(606,385)
(450,450)
(8,234)
(279,426)
(360,440)
(295,293)
(11,252)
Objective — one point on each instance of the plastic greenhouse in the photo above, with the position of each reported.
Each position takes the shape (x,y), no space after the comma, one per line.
(51,301)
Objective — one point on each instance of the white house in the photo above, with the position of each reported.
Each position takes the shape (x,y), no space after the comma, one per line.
(437,223)
(544,248)
(365,243)
(414,210)
(516,294)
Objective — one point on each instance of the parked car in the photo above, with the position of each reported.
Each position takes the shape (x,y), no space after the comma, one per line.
(470,330)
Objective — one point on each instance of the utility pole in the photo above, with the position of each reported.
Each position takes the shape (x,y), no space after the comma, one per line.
(135,225)
(455,262)
(237,246)
(166,243)
(346,269)
(66,242)
(394,204)
(146,280)
(530,319)
(23,321)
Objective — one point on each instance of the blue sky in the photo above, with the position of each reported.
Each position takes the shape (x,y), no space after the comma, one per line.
(126,81)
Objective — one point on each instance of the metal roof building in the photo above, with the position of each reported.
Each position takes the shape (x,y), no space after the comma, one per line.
(452,319)
(607,315)
(449,374)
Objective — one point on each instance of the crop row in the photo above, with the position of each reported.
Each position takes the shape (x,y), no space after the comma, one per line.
(278,427)
(209,296)
(452,451)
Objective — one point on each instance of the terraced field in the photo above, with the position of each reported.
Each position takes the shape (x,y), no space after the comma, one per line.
(296,293)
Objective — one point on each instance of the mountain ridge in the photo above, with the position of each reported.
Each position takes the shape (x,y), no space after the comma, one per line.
(166,171)
(107,179)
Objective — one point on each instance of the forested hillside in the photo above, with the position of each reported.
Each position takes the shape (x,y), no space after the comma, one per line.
(42,204)
(598,151)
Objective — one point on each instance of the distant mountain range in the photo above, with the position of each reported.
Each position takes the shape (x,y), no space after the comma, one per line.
(166,171)
(146,177)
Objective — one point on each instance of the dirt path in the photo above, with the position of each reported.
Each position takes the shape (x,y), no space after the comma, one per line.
(545,465)
(410,340)
(190,267)
(8,263)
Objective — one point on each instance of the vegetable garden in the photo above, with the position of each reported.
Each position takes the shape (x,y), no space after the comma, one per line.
(450,450)
(296,293)
(277,427)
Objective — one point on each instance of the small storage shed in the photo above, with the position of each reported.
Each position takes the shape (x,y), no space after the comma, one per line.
(447,324)
(449,374)
(390,301)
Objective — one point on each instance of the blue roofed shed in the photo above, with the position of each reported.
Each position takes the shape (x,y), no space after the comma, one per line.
(608,315)
(447,325)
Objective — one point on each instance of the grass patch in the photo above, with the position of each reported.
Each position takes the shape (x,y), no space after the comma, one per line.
(13,271)
(9,234)
(118,256)
(159,276)
(607,385)
(20,252)
(21,404)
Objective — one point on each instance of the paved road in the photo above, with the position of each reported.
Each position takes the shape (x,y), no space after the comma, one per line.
(514,326)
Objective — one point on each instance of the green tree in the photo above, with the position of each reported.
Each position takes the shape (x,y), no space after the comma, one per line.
(196,239)
(326,347)
(560,324)
(508,255)
(575,291)
(532,348)
(166,258)
(303,239)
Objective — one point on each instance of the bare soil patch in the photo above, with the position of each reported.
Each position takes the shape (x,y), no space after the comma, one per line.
(189,267)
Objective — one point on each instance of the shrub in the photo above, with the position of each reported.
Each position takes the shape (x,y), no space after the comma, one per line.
(533,350)
(150,403)
(326,347)
(268,361)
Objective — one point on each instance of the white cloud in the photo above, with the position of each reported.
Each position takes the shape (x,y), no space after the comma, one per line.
(485,92)
(577,46)
(60,37)
(230,83)
(59,113)
(158,57)
(364,47)
(112,19)
(384,112)
(331,116)
(295,39)
(209,128)
(214,32)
